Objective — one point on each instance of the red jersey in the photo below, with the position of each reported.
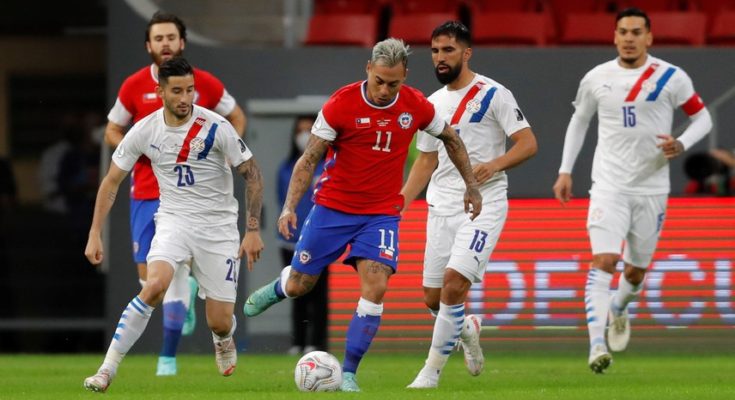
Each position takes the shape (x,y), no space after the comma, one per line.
(363,173)
(137,99)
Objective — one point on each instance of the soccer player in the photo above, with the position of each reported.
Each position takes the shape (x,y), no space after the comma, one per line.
(165,38)
(367,127)
(191,151)
(634,96)
(484,113)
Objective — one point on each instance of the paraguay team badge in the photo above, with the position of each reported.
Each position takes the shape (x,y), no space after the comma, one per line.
(405,120)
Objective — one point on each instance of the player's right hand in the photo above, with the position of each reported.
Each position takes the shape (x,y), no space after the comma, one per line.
(287,222)
(472,202)
(563,188)
(94,251)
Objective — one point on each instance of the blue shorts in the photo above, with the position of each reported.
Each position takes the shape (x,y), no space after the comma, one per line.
(327,232)
(142,227)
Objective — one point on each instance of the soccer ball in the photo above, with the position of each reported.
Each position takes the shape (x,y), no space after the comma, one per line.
(318,371)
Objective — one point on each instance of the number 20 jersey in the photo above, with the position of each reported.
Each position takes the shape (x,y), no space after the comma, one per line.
(633,106)
(190,163)
(363,172)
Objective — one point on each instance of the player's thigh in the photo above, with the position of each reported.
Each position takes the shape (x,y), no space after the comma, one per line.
(608,222)
(476,239)
(168,245)
(648,218)
(216,266)
(323,239)
(142,227)
(440,233)
(376,240)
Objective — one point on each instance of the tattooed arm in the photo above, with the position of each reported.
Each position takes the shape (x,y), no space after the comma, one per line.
(301,179)
(105,199)
(458,154)
(252,244)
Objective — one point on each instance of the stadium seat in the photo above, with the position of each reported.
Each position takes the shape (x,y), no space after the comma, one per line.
(650,6)
(416,29)
(678,28)
(588,29)
(414,7)
(487,6)
(560,9)
(342,30)
(322,7)
(722,29)
(511,28)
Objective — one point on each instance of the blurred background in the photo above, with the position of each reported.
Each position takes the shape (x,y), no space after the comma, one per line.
(63,62)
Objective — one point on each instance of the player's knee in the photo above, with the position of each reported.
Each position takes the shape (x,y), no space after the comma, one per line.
(153,291)
(605,262)
(634,275)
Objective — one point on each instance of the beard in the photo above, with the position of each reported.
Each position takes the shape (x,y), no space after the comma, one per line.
(158,57)
(449,76)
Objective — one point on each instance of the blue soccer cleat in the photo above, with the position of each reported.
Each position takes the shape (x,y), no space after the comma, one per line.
(191,316)
(261,300)
(349,383)
(166,366)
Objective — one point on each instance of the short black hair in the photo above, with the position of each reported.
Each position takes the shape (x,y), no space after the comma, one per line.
(454,29)
(161,18)
(177,66)
(634,12)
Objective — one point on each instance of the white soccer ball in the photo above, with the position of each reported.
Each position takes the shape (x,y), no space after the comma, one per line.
(318,371)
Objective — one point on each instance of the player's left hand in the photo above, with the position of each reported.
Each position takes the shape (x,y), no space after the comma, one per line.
(671,147)
(484,171)
(251,247)
(472,202)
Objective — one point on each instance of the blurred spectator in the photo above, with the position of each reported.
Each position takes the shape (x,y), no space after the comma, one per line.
(8,195)
(309,312)
(709,173)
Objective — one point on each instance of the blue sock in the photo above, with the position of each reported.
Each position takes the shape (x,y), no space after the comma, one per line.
(279,290)
(363,327)
(174,314)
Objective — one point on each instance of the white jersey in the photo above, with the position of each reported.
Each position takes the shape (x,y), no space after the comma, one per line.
(633,106)
(484,113)
(191,163)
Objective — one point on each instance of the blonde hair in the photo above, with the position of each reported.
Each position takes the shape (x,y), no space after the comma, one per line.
(390,52)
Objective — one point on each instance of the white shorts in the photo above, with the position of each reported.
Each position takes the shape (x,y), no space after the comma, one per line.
(635,219)
(462,244)
(212,251)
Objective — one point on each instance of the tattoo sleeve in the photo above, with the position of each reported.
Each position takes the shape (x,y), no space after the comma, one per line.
(458,154)
(253,193)
(303,171)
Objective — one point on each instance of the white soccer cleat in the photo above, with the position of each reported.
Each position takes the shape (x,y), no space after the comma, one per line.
(423,382)
(470,342)
(618,332)
(599,359)
(225,353)
(100,381)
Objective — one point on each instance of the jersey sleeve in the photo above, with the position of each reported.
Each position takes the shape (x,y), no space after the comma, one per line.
(226,104)
(119,115)
(508,113)
(585,104)
(130,148)
(326,121)
(684,95)
(233,146)
(433,124)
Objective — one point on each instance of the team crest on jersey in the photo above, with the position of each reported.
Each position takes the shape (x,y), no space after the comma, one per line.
(648,86)
(596,215)
(196,145)
(473,106)
(304,256)
(405,120)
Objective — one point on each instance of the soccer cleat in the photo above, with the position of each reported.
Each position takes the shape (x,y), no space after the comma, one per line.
(166,366)
(599,359)
(349,383)
(423,382)
(473,358)
(618,332)
(191,316)
(261,299)
(100,381)
(225,353)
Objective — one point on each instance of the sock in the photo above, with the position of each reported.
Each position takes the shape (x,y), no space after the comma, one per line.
(174,314)
(218,338)
(142,282)
(363,327)
(280,285)
(447,328)
(132,323)
(625,294)
(596,303)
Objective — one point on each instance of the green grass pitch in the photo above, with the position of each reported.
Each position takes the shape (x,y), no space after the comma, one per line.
(516,375)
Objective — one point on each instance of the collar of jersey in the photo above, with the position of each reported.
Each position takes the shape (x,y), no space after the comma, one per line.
(363,92)
(154,76)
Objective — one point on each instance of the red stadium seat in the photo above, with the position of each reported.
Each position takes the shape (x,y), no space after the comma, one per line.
(722,29)
(342,30)
(413,7)
(510,28)
(650,6)
(678,28)
(416,28)
(486,6)
(560,9)
(588,29)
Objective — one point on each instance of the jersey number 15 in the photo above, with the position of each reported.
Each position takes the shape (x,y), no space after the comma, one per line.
(628,116)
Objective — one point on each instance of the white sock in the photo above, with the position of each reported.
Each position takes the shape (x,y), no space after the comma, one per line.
(179,289)
(447,328)
(132,323)
(625,294)
(285,273)
(597,304)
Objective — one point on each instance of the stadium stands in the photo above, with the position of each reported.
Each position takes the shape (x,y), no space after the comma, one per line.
(342,29)
(416,29)
(510,28)
(678,28)
(722,29)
